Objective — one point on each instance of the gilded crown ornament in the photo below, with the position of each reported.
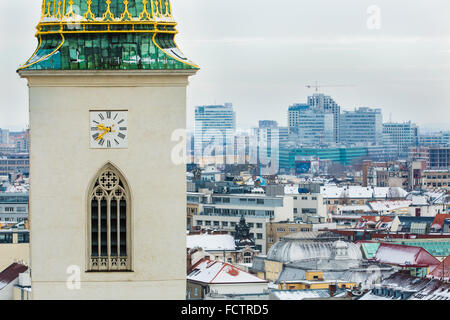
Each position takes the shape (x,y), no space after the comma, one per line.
(107,34)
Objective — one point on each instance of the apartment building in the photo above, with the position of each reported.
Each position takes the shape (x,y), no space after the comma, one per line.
(223,212)
(432,179)
(277,230)
(13,206)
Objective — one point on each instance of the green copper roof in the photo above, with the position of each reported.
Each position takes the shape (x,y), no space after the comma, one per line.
(438,247)
(369,249)
(107,35)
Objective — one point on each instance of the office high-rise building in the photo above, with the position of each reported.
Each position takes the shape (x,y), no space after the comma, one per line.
(403,135)
(215,126)
(4,136)
(269,137)
(268,124)
(362,126)
(294,115)
(313,126)
(328,105)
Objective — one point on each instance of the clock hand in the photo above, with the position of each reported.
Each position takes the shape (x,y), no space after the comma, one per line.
(105,129)
(100,137)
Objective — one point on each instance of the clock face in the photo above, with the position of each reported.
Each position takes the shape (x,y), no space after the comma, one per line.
(108,129)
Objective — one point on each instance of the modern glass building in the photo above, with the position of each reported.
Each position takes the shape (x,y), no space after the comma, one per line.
(294,115)
(328,105)
(340,155)
(4,136)
(269,138)
(362,126)
(403,135)
(215,127)
(314,127)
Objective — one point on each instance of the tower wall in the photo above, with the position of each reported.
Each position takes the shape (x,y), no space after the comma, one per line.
(63,166)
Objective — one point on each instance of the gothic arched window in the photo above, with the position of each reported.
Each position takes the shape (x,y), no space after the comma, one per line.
(109,222)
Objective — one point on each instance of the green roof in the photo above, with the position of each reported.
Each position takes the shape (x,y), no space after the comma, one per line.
(107,35)
(369,249)
(439,248)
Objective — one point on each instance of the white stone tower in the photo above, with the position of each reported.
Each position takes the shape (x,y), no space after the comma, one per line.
(107,87)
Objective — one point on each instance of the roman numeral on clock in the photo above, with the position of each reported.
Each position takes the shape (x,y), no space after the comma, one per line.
(101,116)
(121,136)
(108,144)
(101,142)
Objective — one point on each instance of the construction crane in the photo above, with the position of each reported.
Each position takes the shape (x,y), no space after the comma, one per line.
(316,86)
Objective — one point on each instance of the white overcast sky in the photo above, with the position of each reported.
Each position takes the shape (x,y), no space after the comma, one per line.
(260,54)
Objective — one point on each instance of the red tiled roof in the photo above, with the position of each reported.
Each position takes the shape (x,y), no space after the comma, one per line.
(218,272)
(386,219)
(368,218)
(439,219)
(11,273)
(442,270)
(405,256)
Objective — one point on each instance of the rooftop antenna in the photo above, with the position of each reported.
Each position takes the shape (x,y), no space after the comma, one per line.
(317,86)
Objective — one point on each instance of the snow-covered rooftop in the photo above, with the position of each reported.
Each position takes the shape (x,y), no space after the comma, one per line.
(332,191)
(215,272)
(389,205)
(211,242)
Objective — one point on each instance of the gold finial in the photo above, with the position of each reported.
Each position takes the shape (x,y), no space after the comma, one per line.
(48,14)
(144,15)
(168,13)
(70,13)
(58,14)
(126,12)
(157,13)
(89,15)
(108,14)
(160,8)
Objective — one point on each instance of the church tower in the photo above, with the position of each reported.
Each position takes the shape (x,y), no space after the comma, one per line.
(107,90)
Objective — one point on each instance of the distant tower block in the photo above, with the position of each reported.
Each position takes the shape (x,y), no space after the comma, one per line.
(107,88)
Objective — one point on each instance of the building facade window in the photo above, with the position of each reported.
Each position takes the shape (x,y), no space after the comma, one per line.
(109,222)
(247,257)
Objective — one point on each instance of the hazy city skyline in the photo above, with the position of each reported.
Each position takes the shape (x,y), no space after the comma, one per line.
(261,56)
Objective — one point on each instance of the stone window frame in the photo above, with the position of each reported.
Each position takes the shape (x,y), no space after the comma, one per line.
(115,192)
